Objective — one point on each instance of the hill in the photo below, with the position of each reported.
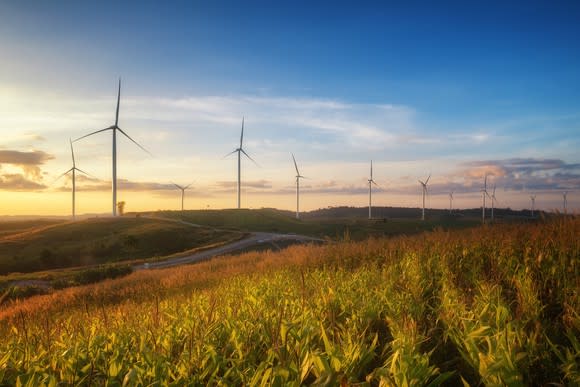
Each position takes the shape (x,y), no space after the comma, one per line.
(332,223)
(494,305)
(30,246)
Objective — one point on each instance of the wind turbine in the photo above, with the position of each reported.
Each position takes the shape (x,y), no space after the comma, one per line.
(240,150)
(424,184)
(182,188)
(484,194)
(73,170)
(450,201)
(492,201)
(298,177)
(533,197)
(564,194)
(114,128)
(371,182)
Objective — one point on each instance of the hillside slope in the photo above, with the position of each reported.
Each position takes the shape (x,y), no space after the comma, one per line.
(493,305)
(100,240)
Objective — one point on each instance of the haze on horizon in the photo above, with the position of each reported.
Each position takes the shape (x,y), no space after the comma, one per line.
(456,91)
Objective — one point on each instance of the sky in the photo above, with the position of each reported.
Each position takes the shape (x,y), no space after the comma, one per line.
(451,90)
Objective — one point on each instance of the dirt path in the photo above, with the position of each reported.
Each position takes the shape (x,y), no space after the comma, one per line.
(257,238)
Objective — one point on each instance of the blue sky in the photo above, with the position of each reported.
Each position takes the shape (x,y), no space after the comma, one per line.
(454,89)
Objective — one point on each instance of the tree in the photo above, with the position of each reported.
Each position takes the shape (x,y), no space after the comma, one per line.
(121,208)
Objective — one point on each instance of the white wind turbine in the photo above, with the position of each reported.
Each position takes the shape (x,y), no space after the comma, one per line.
(492,197)
(451,202)
(564,195)
(73,170)
(484,194)
(182,188)
(114,129)
(298,177)
(533,198)
(424,185)
(240,150)
(371,182)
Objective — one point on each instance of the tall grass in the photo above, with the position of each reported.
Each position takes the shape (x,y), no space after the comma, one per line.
(493,306)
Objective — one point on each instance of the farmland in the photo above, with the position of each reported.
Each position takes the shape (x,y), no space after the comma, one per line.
(489,305)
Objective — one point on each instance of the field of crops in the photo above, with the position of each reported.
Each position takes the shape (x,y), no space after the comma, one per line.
(488,306)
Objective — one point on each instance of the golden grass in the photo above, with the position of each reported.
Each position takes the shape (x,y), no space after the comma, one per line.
(492,305)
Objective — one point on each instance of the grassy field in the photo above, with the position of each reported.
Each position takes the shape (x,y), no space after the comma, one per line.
(483,306)
(334,227)
(12,228)
(98,241)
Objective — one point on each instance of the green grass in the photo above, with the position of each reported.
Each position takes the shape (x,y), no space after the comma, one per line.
(486,306)
(271,220)
(100,241)
(8,228)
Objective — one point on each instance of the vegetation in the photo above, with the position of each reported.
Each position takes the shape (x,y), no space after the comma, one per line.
(99,241)
(493,305)
(332,224)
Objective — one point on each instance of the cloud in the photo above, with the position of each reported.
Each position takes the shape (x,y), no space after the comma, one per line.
(34,137)
(228,186)
(28,161)
(18,182)
(359,125)
(88,183)
(516,174)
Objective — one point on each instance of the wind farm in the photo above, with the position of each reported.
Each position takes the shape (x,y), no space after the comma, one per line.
(427,235)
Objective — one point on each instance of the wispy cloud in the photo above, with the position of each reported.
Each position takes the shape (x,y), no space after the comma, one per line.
(30,162)
(19,182)
(87,183)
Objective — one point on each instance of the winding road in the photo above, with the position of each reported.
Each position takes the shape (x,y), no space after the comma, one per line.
(256,238)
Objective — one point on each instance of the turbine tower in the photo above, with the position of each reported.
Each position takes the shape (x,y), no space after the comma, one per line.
(240,150)
(424,184)
(533,197)
(114,128)
(182,188)
(492,197)
(73,170)
(298,177)
(371,182)
(451,202)
(484,194)
(564,195)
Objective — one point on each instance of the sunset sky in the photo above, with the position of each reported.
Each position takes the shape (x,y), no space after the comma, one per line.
(455,90)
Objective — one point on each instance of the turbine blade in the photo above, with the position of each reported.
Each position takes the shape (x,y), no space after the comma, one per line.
(55,180)
(95,132)
(134,142)
(248,156)
(72,151)
(118,102)
(177,185)
(86,173)
(295,165)
(371,170)
(187,186)
(231,153)
(242,135)
(374,182)
(427,181)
